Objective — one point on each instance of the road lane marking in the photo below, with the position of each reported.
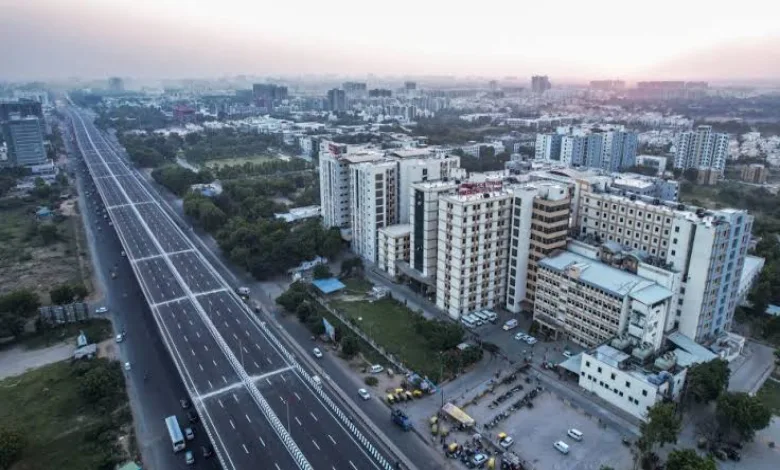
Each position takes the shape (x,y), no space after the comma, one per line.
(224,379)
(234,426)
(210,385)
(261,440)
(245,449)
(235,397)
(179,325)
(283,379)
(192,351)
(234,335)
(247,417)
(255,363)
(297,396)
(244,348)
(268,380)
(298,421)
(199,365)
(315,444)
(186,339)
(352,465)
(277,466)
(197,334)
(312,415)
(331,439)
(205,347)
(215,362)
(269,360)
(221,405)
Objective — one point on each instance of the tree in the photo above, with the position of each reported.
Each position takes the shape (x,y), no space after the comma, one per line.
(304,311)
(12,444)
(22,302)
(62,294)
(706,381)
(350,346)
(101,382)
(48,233)
(662,427)
(688,459)
(80,291)
(740,415)
(777,356)
(321,271)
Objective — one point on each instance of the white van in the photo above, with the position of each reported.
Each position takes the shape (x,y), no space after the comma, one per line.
(574,434)
(481,315)
(562,447)
(468,322)
(474,319)
(510,324)
(492,316)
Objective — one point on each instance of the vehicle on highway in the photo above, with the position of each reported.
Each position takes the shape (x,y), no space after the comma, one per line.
(316,379)
(192,416)
(127,366)
(119,338)
(376,368)
(207,451)
(189,457)
(101,310)
(317,353)
(364,394)
(510,324)
(174,432)
(184,403)
(189,434)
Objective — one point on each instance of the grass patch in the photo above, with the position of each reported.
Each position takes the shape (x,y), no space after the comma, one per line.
(61,428)
(770,395)
(391,324)
(236,161)
(357,285)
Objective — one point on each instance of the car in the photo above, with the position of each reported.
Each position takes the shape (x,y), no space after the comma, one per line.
(531,340)
(510,324)
(192,416)
(376,368)
(317,353)
(506,442)
(110,224)
(119,339)
(184,403)
(567,354)
(317,380)
(478,460)
(189,457)
(101,310)
(364,394)
(123,253)
(207,451)
(189,434)
(127,366)
(561,447)
(520,336)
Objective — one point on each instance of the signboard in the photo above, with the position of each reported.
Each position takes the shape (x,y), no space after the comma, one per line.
(329,330)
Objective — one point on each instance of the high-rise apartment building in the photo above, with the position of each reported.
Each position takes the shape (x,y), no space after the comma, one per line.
(413,170)
(393,246)
(701,149)
(548,147)
(472,248)
(267,95)
(373,197)
(540,83)
(540,226)
(708,248)
(24,139)
(337,100)
(611,150)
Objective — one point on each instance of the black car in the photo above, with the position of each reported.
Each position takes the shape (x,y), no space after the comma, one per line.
(208,451)
(192,416)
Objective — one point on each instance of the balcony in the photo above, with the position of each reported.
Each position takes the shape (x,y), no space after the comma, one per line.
(635,330)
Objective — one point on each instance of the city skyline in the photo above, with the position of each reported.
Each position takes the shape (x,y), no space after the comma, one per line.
(173,38)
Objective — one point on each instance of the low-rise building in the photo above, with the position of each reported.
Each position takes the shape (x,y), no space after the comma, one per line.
(393,245)
(754,173)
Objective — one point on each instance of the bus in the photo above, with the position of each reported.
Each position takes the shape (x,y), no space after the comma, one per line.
(177,439)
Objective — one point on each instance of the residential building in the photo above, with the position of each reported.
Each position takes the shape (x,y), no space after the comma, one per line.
(610,150)
(754,173)
(647,186)
(24,139)
(373,203)
(337,100)
(591,302)
(394,247)
(750,273)
(608,85)
(652,161)
(708,248)
(540,83)
(548,147)
(707,176)
(701,149)
(472,248)
(413,170)
(539,226)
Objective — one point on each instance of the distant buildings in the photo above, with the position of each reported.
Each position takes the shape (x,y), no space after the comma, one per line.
(610,150)
(652,161)
(608,85)
(540,83)
(337,100)
(754,173)
(268,95)
(701,149)
(668,90)
(24,139)
(116,84)
(380,93)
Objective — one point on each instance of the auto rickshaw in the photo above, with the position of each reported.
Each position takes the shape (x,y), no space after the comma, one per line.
(417,393)
(390,398)
(491,463)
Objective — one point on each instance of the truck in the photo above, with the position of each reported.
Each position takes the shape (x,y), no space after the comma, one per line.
(400,418)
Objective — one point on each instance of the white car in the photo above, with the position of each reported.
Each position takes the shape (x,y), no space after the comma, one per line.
(376,368)
(317,353)
(531,340)
(506,442)
(101,310)
(127,366)
(364,394)
(120,338)
(521,336)
(567,354)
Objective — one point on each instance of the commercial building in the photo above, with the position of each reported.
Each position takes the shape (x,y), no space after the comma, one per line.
(701,149)
(337,100)
(539,226)
(754,173)
(540,83)
(473,247)
(591,302)
(24,139)
(266,94)
(394,247)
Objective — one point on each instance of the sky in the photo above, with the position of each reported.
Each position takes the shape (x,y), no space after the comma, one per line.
(566,39)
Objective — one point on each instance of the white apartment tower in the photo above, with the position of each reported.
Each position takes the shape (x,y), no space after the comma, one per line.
(335,160)
(701,149)
(415,170)
(374,203)
(472,248)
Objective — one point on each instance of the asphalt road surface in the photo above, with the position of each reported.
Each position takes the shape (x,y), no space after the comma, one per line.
(255,402)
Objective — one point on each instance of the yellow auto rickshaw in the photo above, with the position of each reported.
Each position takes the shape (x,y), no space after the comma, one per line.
(390,398)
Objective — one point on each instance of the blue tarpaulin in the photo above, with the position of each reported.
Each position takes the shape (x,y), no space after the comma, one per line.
(328,286)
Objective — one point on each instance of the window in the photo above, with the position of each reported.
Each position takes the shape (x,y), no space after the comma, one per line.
(612,376)
(599,369)
(628,384)
(587,363)
(644,393)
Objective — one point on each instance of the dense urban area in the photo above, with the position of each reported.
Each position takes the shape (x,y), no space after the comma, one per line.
(389,273)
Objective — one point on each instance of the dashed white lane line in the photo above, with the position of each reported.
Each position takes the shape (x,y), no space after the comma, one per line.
(186,339)
(235,397)
(268,380)
(315,444)
(269,360)
(256,365)
(245,350)
(224,379)
(179,325)
(298,421)
(282,377)
(331,439)
(192,351)
(201,367)
(261,440)
(220,403)
(297,396)
(277,466)
(205,347)
(210,384)
(234,426)
(312,415)
(245,449)
(247,418)
(352,465)
(197,334)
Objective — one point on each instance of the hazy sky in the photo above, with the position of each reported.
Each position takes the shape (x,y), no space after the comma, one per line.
(565,38)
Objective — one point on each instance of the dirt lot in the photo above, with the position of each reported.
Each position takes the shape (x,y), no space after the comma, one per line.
(26,263)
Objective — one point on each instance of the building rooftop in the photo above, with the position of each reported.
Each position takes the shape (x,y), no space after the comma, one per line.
(398,230)
(600,275)
(651,294)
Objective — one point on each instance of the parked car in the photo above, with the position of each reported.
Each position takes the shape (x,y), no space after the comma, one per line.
(127,366)
(207,451)
(531,340)
(189,457)
(119,339)
(376,368)
(510,324)
(189,434)
(567,354)
(520,336)
(101,310)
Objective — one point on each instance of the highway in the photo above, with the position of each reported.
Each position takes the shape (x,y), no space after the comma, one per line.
(256,403)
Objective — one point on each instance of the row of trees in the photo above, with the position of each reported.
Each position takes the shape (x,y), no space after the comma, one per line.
(228,143)
(270,167)
(68,293)
(150,150)
(125,118)
(178,179)
(15,308)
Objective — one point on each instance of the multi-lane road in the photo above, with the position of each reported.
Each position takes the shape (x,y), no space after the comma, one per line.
(257,403)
